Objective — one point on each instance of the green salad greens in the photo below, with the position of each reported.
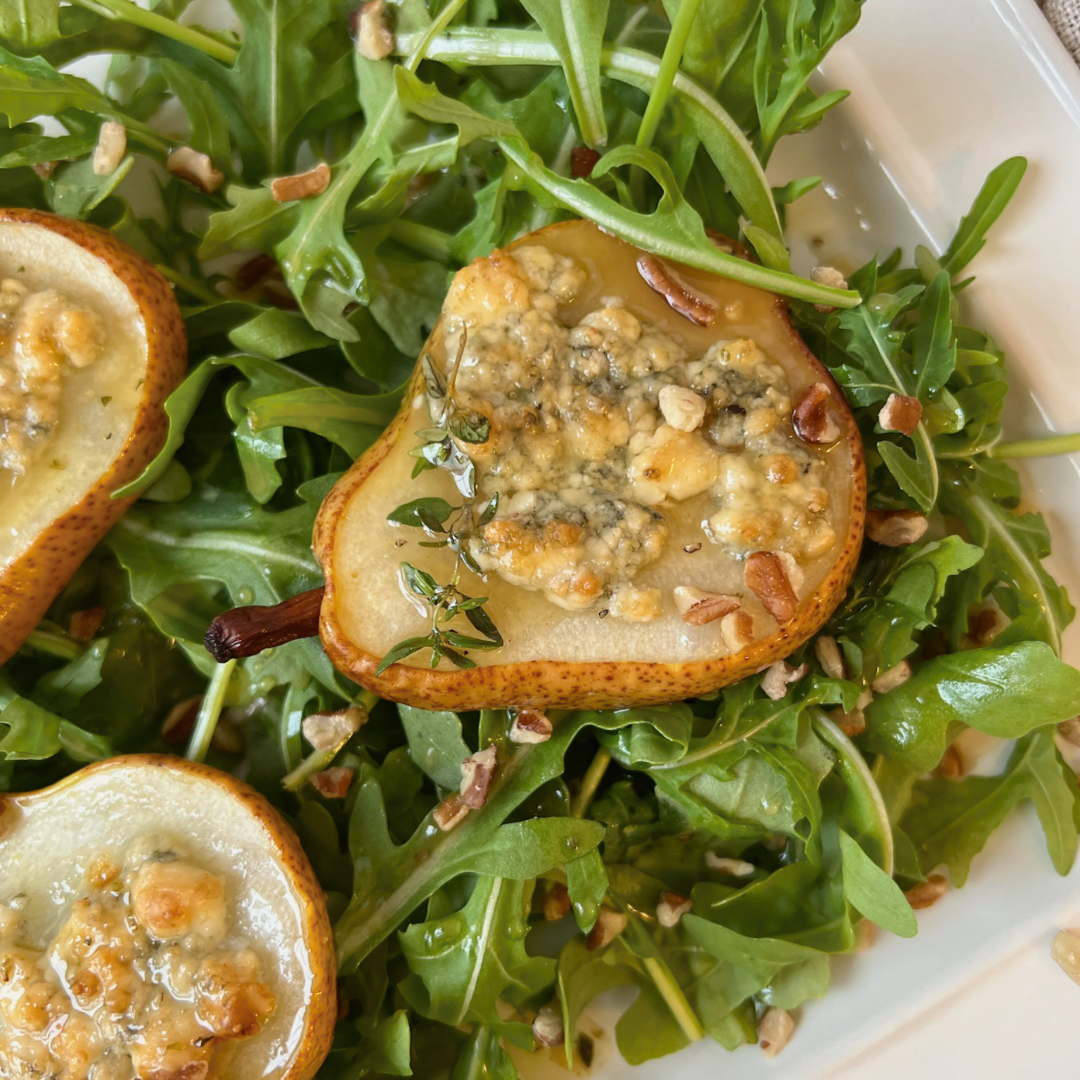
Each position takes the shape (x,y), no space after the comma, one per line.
(488,119)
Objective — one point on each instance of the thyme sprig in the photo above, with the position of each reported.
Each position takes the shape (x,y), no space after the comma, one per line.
(447,525)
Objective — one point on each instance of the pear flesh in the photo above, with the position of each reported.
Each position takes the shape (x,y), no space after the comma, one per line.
(554,654)
(53,841)
(56,503)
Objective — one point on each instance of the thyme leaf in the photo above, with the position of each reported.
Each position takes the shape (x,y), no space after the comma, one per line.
(448,525)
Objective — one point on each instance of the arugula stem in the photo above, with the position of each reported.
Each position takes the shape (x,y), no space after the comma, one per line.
(1047,446)
(129,12)
(669,67)
(636,230)
(54,644)
(561,164)
(422,238)
(853,761)
(209,712)
(189,284)
(485,48)
(674,998)
(592,779)
(418,51)
(312,764)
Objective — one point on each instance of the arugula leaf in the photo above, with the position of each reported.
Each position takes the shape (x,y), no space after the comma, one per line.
(1005,691)
(873,892)
(30,22)
(392,881)
(285,69)
(933,351)
(762,956)
(587,884)
(584,975)
(577,32)
(209,123)
(484,1058)
(949,822)
(895,596)
(435,744)
(464,962)
(982,495)
(65,687)
(992,199)
(34,733)
(674,229)
(874,365)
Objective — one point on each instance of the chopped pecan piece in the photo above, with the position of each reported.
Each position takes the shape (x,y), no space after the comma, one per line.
(737,630)
(450,811)
(680,296)
(227,737)
(1065,951)
(793,570)
(952,765)
(1070,730)
(330,730)
(556,902)
(111,145)
(371,29)
(766,578)
(891,679)
(985,623)
(828,276)
(303,185)
(83,625)
(194,168)
(530,726)
(853,723)
(180,722)
(775,1031)
(813,422)
(672,907)
(547,1028)
(477,772)
(779,676)
(928,892)
(734,867)
(583,160)
(895,528)
(699,607)
(333,783)
(609,925)
(829,657)
(900,413)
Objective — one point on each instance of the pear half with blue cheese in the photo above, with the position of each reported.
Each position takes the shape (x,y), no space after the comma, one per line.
(91,344)
(169,918)
(680,488)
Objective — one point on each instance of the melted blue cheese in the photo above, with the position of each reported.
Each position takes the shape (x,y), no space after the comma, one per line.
(602,428)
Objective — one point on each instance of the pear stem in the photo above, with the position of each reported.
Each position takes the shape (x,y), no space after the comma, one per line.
(246,631)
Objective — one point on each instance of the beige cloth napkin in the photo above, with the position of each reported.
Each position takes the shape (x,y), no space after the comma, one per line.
(1064,16)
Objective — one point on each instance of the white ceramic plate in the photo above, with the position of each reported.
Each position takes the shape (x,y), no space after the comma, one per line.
(942,91)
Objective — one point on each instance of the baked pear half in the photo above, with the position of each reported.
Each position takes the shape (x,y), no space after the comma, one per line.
(165,919)
(91,344)
(661,490)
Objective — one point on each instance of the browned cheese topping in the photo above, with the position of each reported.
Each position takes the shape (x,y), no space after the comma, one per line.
(142,980)
(600,427)
(42,336)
